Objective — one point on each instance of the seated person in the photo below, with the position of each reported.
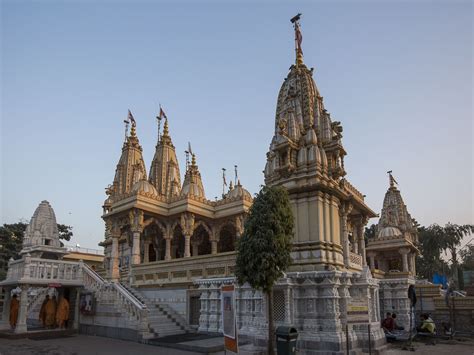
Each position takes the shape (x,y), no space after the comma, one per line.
(387,323)
(395,325)
(427,325)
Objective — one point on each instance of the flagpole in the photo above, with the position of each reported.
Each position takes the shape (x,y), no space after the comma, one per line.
(159,124)
(223,182)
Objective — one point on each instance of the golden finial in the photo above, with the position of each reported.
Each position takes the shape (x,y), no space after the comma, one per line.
(165,128)
(193,160)
(298,39)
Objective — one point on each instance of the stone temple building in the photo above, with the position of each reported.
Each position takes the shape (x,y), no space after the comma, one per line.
(173,249)
(392,254)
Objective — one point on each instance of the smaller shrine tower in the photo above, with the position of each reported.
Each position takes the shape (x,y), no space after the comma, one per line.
(392,253)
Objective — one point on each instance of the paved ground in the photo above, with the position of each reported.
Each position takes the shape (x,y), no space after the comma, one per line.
(82,344)
(90,345)
(456,348)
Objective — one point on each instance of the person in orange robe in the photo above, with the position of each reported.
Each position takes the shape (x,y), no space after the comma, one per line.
(50,310)
(62,313)
(42,313)
(14,308)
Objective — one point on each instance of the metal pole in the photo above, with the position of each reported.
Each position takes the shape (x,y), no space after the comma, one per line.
(370,345)
(347,339)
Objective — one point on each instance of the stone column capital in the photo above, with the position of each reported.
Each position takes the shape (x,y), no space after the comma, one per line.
(404,251)
(135,217)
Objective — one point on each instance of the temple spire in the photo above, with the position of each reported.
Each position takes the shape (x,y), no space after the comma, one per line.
(298,39)
(391,179)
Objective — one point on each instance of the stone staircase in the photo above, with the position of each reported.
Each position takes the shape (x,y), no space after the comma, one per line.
(162,319)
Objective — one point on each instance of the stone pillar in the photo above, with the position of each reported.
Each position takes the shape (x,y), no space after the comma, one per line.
(371,256)
(168,249)
(195,249)
(23,312)
(345,234)
(146,252)
(413,263)
(213,247)
(404,252)
(136,248)
(360,235)
(76,308)
(345,238)
(187,246)
(356,241)
(114,269)
(6,306)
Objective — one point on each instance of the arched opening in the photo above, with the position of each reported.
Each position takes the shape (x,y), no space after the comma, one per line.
(227,238)
(151,253)
(177,243)
(154,243)
(200,242)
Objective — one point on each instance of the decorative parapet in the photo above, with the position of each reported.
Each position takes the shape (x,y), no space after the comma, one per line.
(355,261)
(43,271)
(351,189)
(184,270)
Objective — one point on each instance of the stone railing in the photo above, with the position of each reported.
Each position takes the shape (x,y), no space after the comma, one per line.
(36,298)
(44,271)
(355,261)
(184,270)
(124,300)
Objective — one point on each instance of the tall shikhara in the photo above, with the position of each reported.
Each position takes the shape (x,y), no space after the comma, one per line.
(306,156)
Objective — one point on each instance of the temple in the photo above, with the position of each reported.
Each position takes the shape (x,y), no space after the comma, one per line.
(392,253)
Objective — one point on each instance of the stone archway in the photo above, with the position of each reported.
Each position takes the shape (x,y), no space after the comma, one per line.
(177,243)
(227,238)
(200,241)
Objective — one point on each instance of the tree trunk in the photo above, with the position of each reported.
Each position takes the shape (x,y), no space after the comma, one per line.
(271,333)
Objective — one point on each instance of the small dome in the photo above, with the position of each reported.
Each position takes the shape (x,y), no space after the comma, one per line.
(239,192)
(144,186)
(389,232)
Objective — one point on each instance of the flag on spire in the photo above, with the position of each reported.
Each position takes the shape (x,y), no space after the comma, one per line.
(131,119)
(189,148)
(299,37)
(162,113)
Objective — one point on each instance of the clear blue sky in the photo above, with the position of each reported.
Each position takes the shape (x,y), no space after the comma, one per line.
(398,75)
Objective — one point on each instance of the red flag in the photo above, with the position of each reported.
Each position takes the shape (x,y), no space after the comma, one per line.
(130,118)
(162,113)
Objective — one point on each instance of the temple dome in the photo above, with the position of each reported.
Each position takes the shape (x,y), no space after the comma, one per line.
(390,232)
(239,192)
(145,187)
(192,185)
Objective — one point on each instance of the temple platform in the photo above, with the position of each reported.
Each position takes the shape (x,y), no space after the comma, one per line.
(39,334)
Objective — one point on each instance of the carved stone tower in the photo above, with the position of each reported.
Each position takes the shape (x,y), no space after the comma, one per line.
(306,156)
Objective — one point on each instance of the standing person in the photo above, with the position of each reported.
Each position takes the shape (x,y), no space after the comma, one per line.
(42,313)
(14,307)
(50,310)
(62,313)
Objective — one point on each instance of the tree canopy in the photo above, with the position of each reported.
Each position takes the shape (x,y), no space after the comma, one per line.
(264,248)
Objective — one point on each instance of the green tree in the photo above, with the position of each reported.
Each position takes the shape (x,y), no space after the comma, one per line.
(11,239)
(370,232)
(467,257)
(265,246)
(431,246)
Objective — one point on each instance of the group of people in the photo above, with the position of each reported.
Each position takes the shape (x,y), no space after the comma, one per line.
(54,313)
(389,324)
